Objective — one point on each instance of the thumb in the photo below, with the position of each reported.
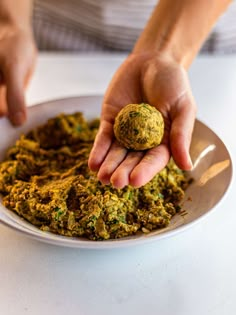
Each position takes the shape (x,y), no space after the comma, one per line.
(181,132)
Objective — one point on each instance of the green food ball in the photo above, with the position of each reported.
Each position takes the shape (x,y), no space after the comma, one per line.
(139,127)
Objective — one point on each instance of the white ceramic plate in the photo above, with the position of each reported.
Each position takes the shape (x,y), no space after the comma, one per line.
(212,175)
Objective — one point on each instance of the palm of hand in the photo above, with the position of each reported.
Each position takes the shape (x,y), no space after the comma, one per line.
(163,84)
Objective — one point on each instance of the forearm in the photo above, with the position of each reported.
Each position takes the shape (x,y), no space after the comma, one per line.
(179,27)
(16,12)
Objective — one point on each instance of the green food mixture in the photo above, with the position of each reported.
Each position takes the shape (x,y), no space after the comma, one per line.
(46,180)
(139,127)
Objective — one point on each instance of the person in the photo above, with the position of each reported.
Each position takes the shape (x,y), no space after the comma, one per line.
(155,72)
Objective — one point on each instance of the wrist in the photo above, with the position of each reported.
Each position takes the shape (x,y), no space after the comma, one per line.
(168,42)
(144,59)
(179,28)
(15,24)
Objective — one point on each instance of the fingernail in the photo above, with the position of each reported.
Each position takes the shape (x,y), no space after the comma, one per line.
(18,118)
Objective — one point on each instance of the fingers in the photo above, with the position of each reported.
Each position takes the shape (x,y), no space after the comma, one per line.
(121,175)
(14,77)
(153,162)
(3,105)
(101,145)
(134,168)
(17,58)
(116,166)
(138,168)
(181,132)
(113,159)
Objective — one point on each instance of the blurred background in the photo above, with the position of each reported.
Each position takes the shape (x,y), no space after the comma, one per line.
(106,26)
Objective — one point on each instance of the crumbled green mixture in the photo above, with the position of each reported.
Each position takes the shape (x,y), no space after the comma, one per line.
(45,179)
(139,127)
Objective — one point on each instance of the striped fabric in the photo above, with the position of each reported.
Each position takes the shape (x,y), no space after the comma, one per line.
(108,25)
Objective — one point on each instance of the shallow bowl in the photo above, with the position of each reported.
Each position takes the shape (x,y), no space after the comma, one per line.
(212,174)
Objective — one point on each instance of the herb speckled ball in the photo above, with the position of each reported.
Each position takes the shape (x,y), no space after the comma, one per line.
(139,127)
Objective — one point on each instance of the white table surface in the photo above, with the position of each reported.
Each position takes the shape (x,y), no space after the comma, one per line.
(193,273)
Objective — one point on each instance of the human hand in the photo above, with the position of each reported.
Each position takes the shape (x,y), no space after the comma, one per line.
(17,59)
(163,83)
